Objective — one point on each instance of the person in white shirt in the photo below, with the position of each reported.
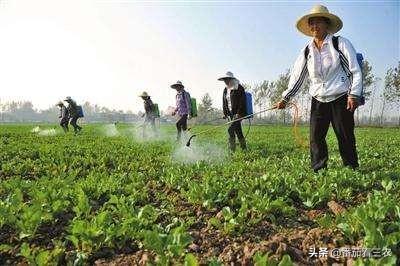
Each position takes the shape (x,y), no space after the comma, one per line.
(335,85)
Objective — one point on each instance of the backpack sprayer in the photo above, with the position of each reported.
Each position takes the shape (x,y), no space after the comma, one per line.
(227,123)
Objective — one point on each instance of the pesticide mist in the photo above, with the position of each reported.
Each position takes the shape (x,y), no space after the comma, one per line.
(35,130)
(48,132)
(145,133)
(44,132)
(199,152)
(110,130)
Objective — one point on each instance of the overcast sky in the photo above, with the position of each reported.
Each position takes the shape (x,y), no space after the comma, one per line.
(107,52)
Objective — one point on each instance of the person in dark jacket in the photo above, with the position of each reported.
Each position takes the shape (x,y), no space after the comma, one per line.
(64,116)
(234,107)
(73,114)
(149,108)
(182,107)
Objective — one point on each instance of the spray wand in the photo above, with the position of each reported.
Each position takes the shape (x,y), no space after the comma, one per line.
(227,123)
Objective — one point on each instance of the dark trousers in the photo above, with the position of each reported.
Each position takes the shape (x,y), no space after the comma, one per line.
(181,125)
(235,130)
(64,124)
(335,112)
(72,122)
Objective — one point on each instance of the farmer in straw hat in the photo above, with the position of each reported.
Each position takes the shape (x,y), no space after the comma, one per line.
(335,95)
(73,114)
(149,114)
(63,116)
(182,107)
(234,107)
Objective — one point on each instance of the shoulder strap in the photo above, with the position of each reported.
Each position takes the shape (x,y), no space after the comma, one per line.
(335,42)
(186,95)
(306,52)
(342,58)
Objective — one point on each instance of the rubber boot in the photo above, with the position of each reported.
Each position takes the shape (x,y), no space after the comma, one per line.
(232,144)
(243,145)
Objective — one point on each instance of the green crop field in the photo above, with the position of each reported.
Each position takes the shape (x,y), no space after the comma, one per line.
(108,197)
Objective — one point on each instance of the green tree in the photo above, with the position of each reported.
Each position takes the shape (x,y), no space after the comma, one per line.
(261,94)
(391,92)
(280,85)
(205,110)
(368,79)
(372,98)
(206,102)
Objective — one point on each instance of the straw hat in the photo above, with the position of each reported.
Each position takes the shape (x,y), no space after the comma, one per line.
(60,103)
(68,99)
(319,11)
(177,85)
(144,94)
(228,75)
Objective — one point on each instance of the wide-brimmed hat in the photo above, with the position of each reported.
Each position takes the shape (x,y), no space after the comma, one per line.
(68,99)
(335,23)
(144,94)
(177,85)
(60,103)
(228,75)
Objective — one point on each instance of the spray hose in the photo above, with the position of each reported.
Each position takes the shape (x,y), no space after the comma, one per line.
(296,118)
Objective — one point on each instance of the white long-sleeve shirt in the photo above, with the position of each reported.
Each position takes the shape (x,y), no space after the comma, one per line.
(328,80)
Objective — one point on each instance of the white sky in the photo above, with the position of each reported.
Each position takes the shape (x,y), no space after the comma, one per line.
(107,52)
(101,52)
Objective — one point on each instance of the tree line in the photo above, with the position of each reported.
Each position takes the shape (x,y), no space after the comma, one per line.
(24,111)
(382,104)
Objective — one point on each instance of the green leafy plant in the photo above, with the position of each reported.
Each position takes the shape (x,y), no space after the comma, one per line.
(167,246)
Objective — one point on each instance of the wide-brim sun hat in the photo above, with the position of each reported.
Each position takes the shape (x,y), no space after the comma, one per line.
(144,94)
(228,75)
(335,23)
(60,103)
(177,85)
(68,99)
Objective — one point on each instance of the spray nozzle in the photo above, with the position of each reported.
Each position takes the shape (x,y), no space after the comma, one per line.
(190,139)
